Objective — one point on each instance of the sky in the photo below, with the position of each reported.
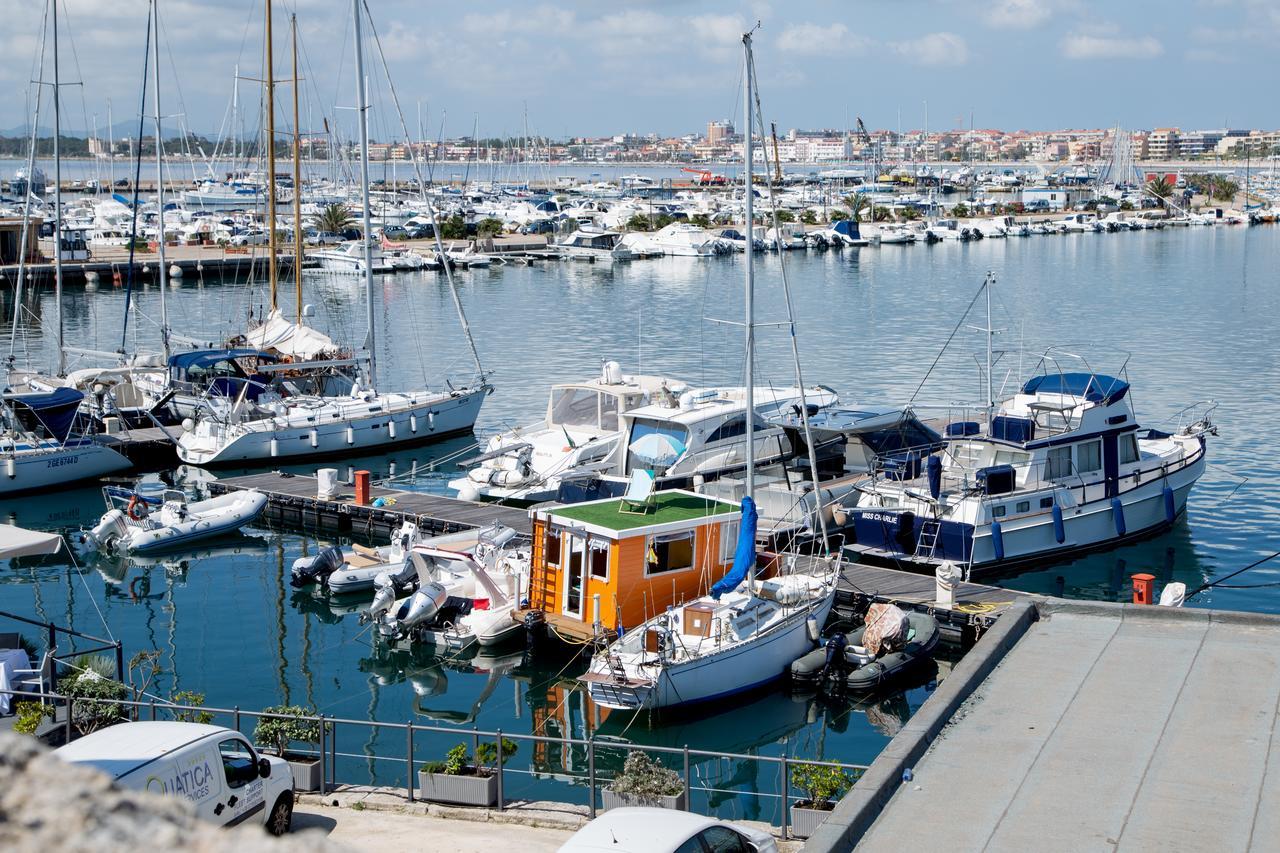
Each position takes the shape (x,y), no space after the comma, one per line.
(597,67)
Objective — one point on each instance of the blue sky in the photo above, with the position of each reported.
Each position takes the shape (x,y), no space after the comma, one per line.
(594,67)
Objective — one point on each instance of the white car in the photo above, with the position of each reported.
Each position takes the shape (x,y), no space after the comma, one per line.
(643,830)
(213,767)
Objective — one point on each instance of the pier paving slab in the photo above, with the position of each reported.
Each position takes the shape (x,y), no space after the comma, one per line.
(1107,729)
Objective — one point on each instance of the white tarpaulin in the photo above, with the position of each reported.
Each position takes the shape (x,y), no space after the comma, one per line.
(20,542)
(294,340)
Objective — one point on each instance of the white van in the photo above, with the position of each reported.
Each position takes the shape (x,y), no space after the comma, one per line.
(213,767)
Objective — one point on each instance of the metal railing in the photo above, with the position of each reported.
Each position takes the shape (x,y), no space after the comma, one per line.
(52,632)
(326,750)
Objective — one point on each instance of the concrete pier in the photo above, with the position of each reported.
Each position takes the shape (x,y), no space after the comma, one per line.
(1105,727)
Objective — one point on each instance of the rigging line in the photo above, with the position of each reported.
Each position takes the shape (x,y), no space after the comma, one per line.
(950,337)
(137,177)
(431,210)
(1252,565)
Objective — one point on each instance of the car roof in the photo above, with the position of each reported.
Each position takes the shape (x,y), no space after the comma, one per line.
(638,830)
(123,748)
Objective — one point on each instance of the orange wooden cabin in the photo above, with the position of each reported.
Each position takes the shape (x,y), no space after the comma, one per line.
(637,562)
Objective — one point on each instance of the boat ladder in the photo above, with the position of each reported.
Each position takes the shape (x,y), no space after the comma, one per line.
(927,544)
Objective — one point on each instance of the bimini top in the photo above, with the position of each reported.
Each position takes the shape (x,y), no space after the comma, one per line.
(55,410)
(184,361)
(1094,387)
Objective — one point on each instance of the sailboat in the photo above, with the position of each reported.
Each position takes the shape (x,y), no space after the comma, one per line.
(746,632)
(274,426)
(42,443)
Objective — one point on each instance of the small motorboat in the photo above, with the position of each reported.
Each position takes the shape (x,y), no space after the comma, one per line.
(854,663)
(147,519)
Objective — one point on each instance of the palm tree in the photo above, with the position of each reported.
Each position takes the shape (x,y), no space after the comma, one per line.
(909,214)
(1160,187)
(334,218)
(881,214)
(858,206)
(1224,189)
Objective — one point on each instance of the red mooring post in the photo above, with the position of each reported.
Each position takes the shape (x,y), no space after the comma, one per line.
(362,489)
(1144,588)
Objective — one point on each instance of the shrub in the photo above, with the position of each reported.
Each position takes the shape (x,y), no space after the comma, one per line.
(29,715)
(454,228)
(821,784)
(489,227)
(189,697)
(457,761)
(96,692)
(808,217)
(291,727)
(701,220)
(786,216)
(960,211)
(646,779)
(639,222)
(487,754)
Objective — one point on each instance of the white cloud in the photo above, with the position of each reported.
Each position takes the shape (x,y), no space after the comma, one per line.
(933,49)
(1091,46)
(820,40)
(1018,14)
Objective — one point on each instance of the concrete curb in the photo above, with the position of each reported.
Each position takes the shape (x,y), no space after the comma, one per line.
(549,815)
(854,814)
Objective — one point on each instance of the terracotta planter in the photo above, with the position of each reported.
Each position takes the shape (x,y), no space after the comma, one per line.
(614,800)
(805,821)
(458,790)
(306,772)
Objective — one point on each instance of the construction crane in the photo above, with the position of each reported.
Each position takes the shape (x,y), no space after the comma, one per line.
(869,152)
(777,164)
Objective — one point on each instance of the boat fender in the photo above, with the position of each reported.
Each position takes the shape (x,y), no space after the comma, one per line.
(1170,510)
(391,429)
(351,435)
(812,628)
(315,438)
(137,509)
(413,423)
(431,420)
(997,539)
(1059,528)
(1117,510)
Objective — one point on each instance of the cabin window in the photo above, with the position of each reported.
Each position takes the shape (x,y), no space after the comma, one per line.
(671,553)
(1046,503)
(1058,463)
(1128,448)
(599,559)
(574,407)
(1089,456)
(1023,506)
(732,428)
(552,543)
(1011,457)
(728,540)
(998,511)
(608,412)
(645,426)
(237,763)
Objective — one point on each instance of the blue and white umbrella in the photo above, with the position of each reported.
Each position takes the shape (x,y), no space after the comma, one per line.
(657,448)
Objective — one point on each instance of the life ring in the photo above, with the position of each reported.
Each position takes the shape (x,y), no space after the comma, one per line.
(134,595)
(137,509)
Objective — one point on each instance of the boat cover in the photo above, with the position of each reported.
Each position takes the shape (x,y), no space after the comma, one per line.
(180,363)
(55,410)
(296,340)
(20,542)
(743,558)
(887,628)
(1094,387)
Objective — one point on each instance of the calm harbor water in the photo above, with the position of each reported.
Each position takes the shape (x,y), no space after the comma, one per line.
(1193,309)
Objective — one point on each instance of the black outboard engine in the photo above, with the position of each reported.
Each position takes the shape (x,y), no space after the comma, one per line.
(308,570)
(834,670)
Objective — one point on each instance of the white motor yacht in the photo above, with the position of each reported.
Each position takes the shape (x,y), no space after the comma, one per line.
(590,244)
(349,258)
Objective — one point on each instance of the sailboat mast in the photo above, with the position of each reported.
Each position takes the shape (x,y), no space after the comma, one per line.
(369,342)
(750,274)
(57,194)
(271,164)
(111,150)
(990,334)
(163,271)
(26,208)
(297,173)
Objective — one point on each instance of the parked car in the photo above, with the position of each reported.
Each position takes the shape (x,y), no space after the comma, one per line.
(541,226)
(421,232)
(250,238)
(351,233)
(215,768)
(648,830)
(395,232)
(323,238)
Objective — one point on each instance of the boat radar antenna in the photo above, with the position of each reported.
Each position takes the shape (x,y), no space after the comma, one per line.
(990,332)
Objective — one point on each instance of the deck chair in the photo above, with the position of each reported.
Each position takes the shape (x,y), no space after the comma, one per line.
(640,496)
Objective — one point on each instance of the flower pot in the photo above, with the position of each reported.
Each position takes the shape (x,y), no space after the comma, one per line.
(306,772)
(458,790)
(805,821)
(614,800)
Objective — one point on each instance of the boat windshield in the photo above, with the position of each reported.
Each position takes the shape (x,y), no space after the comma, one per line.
(649,426)
(577,407)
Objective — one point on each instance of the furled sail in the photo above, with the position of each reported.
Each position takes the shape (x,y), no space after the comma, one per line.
(745,556)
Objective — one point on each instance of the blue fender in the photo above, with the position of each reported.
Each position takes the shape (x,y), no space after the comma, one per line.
(997,539)
(1170,510)
(1059,528)
(1117,510)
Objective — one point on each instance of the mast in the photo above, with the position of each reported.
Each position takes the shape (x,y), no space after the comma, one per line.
(57,195)
(297,173)
(369,341)
(26,208)
(271,165)
(163,270)
(111,150)
(991,404)
(750,277)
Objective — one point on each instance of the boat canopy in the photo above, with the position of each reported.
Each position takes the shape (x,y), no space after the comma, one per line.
(197,359)
(295,340)
(19,542)
(54,410)
(1094,387)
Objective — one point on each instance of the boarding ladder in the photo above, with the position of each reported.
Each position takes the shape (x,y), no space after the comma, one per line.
(927,543)
(542,577)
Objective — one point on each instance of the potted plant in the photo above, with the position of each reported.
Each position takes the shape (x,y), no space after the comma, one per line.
(645,782)
(822,786)
(294,724)
(460,781)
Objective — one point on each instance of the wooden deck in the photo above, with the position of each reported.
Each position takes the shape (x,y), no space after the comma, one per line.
(292,502)
(149,449)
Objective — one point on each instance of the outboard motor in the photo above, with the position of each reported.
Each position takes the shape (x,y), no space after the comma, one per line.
(105,533)
(833,671)
(308,570)
(390,586)
(421,608)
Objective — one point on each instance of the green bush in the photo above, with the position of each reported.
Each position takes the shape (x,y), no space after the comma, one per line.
(960,211)
(189,697)
(487,754)
(786,216)
(291,727)
(29,715)
(454,228)
(808,217)
(820,783)
(489,227)
(92,684)
(646,779)
(639,222)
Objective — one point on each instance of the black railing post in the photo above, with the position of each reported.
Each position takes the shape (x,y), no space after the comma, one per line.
(591,775)
(408,737)
(322,755)
(786,792)
(71,712)
(153,709)
(235,716)
(119,662)
(498,743)
(688,788)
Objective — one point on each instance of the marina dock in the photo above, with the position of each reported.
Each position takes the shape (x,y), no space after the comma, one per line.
(293,501)
(149,448)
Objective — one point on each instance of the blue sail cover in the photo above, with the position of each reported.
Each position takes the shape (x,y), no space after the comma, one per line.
(743,558)
(55,410)
(1094,387)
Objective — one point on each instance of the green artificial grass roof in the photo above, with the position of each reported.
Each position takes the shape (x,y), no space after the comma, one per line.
(668,507)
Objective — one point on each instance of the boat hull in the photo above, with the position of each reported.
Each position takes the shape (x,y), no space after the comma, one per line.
(52,467)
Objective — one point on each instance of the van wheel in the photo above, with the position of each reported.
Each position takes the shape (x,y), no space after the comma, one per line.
(281,815)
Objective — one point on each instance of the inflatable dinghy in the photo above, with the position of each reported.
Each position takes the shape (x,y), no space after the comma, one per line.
(147,523)
(844,663)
